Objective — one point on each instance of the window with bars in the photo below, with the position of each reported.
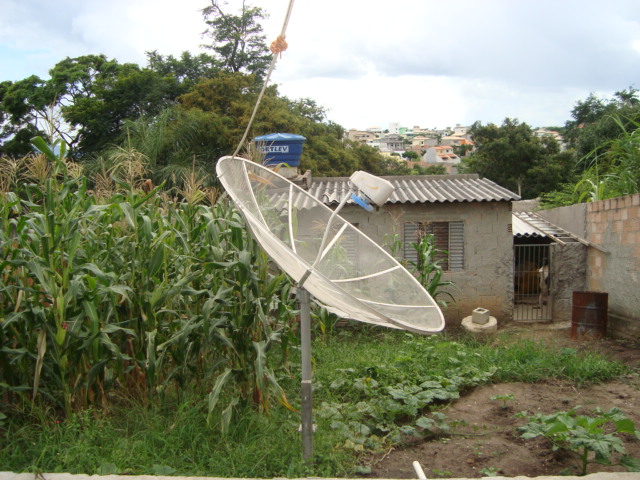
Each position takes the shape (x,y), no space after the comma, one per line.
(449,237)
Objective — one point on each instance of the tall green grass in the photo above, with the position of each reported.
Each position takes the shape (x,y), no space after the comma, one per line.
(173,439)
(518,358)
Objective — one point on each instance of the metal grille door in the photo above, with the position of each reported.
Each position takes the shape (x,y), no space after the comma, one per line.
(532,283)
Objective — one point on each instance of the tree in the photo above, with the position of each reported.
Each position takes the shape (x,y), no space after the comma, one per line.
(613,170)
(431,170)
(237,40)
(462,150)
(512,156)
(411,155)
(121,92)
(25,112)
(187,70)
(595,122)
(229,98)
(85,102)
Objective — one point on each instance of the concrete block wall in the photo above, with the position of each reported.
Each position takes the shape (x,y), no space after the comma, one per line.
(487,278)
(569,269)
(614,224)
(571,218)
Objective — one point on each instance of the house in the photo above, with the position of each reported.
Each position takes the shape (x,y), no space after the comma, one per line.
(423,142)
(451,140)
(388,143)
(460,130)
(470,218)
(441,155)
(360,135)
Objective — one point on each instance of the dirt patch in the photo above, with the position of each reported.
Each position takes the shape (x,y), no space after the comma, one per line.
(485,440)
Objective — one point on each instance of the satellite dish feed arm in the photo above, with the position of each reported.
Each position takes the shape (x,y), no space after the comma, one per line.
(364,189)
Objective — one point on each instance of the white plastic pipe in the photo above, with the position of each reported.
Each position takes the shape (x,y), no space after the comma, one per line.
(419,471)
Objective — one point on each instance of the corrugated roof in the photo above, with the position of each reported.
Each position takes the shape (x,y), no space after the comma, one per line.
(421,189)
(523,229)
(532,225)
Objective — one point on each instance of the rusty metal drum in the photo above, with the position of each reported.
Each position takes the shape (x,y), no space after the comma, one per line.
(589,315)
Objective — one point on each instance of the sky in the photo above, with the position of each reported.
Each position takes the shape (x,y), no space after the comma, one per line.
(427,63)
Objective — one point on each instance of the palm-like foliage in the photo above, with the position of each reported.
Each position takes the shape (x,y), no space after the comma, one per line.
(611,170)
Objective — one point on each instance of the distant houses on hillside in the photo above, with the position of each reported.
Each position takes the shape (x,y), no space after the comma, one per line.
(436,147)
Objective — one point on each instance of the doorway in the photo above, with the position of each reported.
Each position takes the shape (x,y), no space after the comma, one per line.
(532,283)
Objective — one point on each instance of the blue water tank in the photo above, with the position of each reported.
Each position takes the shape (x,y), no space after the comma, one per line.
(280,148)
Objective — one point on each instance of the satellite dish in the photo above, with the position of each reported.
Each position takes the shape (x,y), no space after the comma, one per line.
(340,266)
(327,257)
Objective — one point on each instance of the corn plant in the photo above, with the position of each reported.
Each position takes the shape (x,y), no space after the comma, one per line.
(250,325)
(51,325)
(132,295)
(429,271)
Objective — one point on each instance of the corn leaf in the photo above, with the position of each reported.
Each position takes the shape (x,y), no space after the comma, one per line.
(214,396)
(42,349)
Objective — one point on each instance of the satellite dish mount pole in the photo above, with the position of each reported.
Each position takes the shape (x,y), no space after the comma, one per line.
(305,345)
(305,391)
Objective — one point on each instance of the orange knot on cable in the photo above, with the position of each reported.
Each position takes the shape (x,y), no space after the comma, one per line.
(279,45)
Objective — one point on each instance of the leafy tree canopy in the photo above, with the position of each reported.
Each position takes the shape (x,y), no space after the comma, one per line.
(187,70)
(595,121)
(92,96)
(513,157)
(237,40)
(24,110)
(612,170)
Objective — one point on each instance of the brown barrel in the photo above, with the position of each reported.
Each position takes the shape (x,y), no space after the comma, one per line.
(589,315)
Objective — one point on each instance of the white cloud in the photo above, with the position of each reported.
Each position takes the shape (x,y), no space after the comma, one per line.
(430,62)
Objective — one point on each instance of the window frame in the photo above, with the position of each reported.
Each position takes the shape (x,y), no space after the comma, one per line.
(449,237)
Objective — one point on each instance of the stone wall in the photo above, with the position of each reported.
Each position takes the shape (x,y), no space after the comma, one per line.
(615,225)
(487,278)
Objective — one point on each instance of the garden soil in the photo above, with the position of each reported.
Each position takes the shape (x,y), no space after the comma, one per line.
(485,441)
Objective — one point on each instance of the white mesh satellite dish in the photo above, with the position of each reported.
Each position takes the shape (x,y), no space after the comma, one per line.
(339,265)
(328,257)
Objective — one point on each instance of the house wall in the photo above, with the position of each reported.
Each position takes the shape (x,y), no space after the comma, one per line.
(615,225)
(487,279)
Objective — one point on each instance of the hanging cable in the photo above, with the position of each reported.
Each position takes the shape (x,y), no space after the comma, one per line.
(278,46)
